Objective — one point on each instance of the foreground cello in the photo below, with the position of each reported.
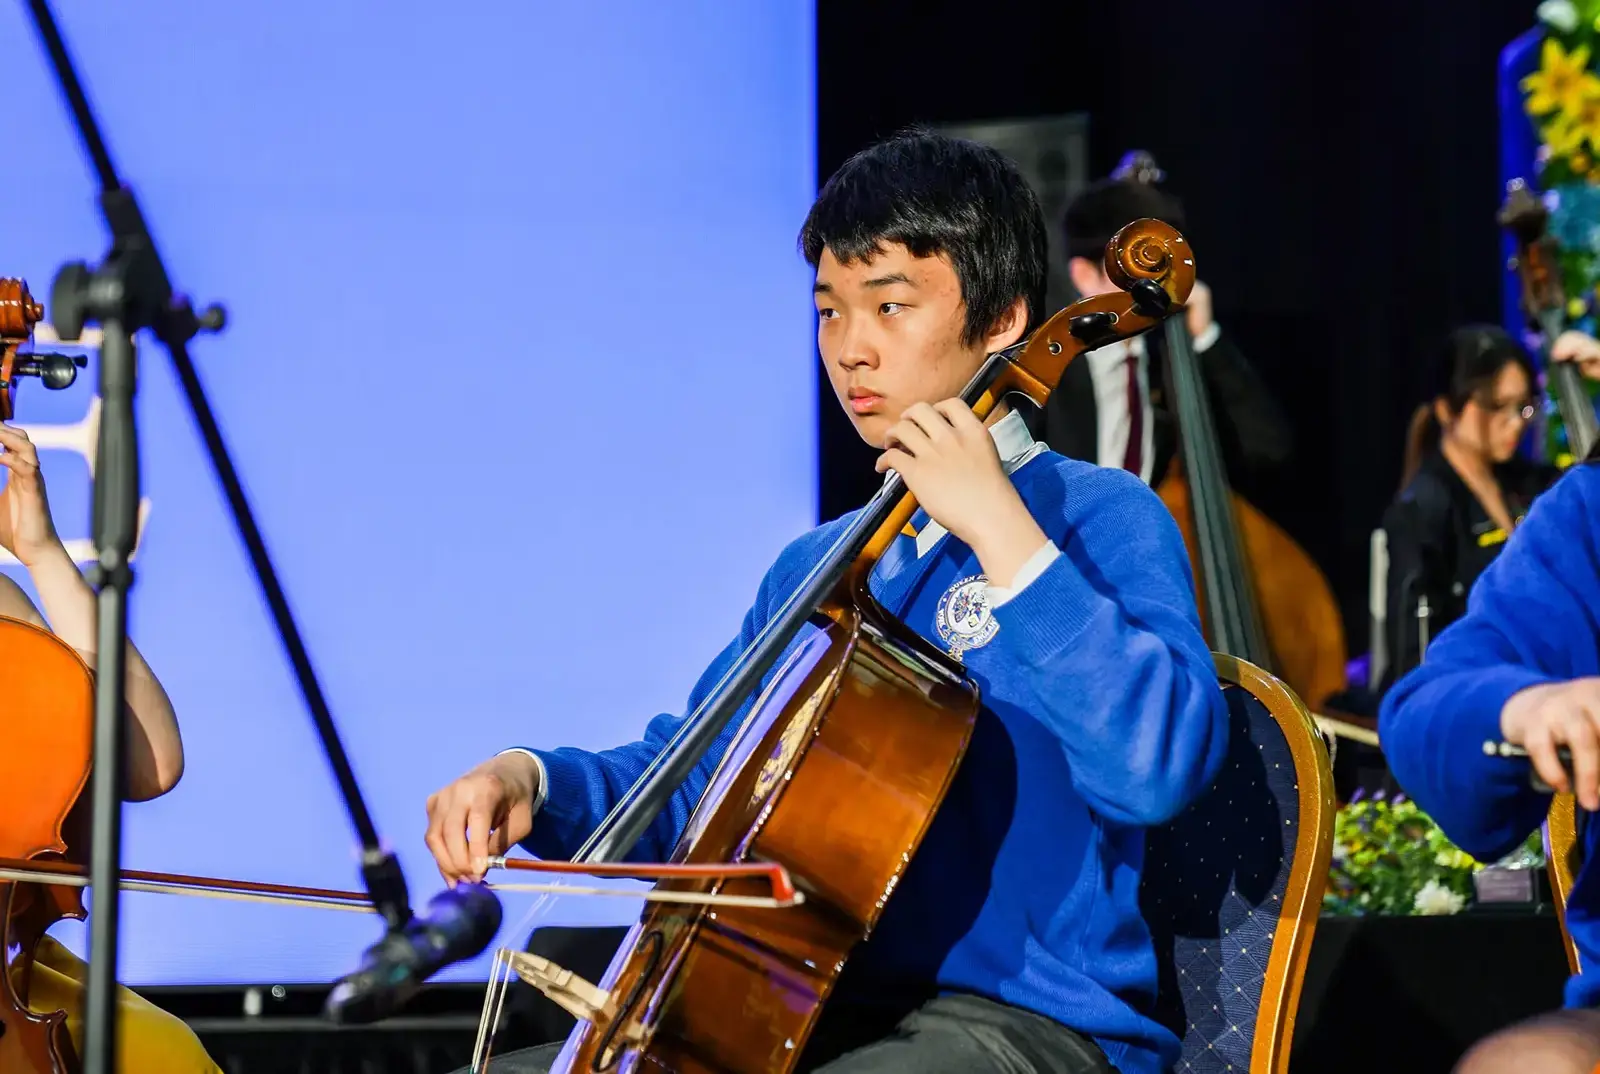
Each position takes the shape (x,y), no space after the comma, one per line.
(46,739)
(48,694)
(835,774)
(1262,598)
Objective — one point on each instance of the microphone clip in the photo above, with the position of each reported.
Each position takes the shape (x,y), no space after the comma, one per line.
(387,886)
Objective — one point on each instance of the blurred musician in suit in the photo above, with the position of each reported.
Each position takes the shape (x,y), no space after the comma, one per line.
(1107,408)
(1465,487)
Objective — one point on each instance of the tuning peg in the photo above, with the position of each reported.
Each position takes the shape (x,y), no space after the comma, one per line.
(55,371)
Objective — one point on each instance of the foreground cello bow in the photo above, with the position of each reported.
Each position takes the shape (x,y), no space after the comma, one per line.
(836,772)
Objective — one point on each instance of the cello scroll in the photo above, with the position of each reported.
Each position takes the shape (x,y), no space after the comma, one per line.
(1154,267)
(18,314)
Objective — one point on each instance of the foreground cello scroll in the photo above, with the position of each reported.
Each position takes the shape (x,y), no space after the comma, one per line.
(18,314)
(854,729)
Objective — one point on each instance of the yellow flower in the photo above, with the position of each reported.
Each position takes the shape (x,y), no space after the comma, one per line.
(1562,81)
(1586,118)
(1575,308)
(1562,135)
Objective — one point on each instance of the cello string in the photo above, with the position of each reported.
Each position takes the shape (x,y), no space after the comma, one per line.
(503,990)
(480,1046)
(494,996)
(692,897)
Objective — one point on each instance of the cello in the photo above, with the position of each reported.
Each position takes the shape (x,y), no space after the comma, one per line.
(1544,303)
(45,766)
(1261,597)
(856,732)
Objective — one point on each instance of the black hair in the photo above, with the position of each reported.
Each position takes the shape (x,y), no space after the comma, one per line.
(1464,369)
(1104,208)
(936,194)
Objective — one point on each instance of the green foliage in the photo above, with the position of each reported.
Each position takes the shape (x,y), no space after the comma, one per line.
(1390,858)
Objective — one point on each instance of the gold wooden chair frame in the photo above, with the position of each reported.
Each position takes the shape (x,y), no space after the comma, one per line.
(1561,860)
(1308,873)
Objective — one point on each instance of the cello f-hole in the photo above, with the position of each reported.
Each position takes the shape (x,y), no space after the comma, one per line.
(605,1054)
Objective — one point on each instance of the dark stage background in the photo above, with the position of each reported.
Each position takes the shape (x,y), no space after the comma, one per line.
(1339,168)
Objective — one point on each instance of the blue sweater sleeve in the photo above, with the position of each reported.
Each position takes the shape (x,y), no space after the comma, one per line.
(1110,643)
(1529,620)
(583,786)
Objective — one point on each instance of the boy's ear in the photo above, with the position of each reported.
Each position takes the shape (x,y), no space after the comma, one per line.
(1008,327)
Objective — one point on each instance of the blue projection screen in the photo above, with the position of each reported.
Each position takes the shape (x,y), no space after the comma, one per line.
(519,378)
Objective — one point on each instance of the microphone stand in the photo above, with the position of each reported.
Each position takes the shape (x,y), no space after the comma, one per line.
(129,292)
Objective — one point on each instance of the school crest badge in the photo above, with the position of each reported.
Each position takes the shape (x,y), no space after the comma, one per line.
(963,618)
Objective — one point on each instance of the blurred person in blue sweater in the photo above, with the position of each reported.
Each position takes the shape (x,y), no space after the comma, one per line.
(1521,666)
(1014,941)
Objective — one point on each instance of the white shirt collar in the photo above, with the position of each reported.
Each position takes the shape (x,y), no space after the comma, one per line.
(1016,446)
(1013,440)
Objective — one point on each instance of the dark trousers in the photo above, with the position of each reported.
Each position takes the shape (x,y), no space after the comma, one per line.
(940,1035)
(946,1035)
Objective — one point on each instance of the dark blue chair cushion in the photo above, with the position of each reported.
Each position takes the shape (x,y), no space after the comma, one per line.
(1213,889)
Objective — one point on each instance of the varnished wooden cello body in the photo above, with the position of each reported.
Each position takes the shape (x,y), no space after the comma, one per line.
(838,769)
(1262,598)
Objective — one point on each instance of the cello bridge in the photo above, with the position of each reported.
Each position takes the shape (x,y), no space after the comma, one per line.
(582,999)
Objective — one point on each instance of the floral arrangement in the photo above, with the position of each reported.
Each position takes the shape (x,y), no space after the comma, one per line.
(1390,858)
(1562,98)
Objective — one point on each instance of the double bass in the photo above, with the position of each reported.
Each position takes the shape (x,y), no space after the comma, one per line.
(1544,302)
(46,740)
(1262,598)
(835,773)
